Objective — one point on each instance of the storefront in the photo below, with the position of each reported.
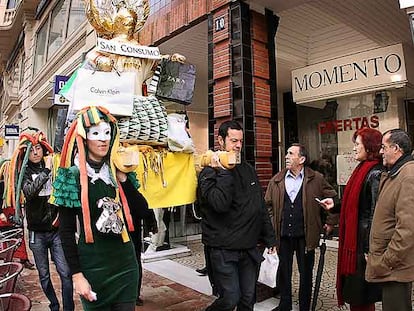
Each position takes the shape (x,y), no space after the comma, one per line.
(337,97)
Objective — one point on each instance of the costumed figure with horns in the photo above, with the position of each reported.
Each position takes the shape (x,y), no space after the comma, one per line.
(88,187)
(31,175)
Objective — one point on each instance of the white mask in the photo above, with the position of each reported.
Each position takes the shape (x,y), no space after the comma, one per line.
(102,131)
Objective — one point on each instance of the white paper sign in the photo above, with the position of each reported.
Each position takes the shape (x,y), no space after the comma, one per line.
(108,89)
(128,49)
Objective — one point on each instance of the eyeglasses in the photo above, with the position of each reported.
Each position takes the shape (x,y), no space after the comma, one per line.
(385,147)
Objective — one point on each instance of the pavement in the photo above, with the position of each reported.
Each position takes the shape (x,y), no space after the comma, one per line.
(173,284)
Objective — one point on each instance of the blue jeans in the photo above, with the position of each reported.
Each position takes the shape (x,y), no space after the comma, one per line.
(235,274)
(40,243)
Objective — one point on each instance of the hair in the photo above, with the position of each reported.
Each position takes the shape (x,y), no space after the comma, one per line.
(225,126)
(401,138)
(302,152)
(371,139)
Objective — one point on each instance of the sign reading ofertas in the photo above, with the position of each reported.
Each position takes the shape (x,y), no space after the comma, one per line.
(361,72)
(128,49)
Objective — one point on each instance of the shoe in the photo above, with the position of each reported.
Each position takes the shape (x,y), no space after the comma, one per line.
(202,271)
(139,302)
(278,308)
(28,265)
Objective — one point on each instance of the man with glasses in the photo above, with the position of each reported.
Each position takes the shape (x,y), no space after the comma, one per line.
(391,252)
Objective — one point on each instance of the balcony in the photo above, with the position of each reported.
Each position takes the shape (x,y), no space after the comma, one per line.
(11,25)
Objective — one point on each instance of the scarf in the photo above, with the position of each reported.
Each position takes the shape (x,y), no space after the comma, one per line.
(348,224)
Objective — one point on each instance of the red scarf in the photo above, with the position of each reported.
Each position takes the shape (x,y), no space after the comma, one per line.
(348,225)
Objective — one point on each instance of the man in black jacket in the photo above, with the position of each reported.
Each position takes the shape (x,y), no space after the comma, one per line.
(234,220)
(42,222)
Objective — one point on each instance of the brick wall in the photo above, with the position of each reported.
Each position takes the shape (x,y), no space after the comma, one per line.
(178,14)
(261,96)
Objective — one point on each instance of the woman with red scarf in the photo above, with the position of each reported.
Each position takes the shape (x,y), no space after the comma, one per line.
(357,209)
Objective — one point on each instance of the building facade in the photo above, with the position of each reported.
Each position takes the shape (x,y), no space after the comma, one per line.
(307,71)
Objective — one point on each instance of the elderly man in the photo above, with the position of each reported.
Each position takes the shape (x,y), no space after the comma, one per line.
(391,251)
(296,197)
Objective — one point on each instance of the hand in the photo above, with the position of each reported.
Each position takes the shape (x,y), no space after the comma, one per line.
(49,162)
(215,161)
(3,217)
(82,286)
(328,229)
(272,250)
(327,203)
(121,176)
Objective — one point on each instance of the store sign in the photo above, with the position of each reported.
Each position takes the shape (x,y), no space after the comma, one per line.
(11,131)
(363,72)
(128,49)
(353,124)
(59,83)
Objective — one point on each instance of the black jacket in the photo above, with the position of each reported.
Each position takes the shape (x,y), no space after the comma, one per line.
(234,215)
(367,201)
(40,214)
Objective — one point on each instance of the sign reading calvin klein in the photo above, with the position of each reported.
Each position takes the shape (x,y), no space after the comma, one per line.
(357,73)
(128,49)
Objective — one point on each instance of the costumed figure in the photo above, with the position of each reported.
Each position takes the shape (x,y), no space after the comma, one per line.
(13,172)
(89,188)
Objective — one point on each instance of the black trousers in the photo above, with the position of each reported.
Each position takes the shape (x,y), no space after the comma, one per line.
(235,274)
(396,296)
(137,241)
(305,261)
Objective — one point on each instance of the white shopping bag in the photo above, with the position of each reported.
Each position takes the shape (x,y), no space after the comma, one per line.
(268,269)
(111,90)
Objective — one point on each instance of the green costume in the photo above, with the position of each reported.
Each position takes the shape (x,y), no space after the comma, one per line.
(109,264)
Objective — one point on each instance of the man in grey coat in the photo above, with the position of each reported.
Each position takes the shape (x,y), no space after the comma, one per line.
(391,251)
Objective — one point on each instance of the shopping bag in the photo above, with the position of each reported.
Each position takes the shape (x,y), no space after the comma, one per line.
(179,139)
(268,269)
(147,124)
(111,90)
(176,82)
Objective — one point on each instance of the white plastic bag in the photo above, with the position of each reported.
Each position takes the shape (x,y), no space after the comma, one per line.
(268,269)
(178,138)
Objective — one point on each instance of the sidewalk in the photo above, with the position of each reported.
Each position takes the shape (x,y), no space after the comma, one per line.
(174,285)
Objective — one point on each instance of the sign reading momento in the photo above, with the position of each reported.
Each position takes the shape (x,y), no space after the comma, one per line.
(361,72)
(128,49)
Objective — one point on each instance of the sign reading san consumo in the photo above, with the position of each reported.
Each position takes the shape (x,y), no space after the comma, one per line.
(361,72)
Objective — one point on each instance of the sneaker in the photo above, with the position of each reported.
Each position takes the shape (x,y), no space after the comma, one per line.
(202,271)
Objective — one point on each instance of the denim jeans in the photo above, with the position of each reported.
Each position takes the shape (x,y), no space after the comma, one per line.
(235,274)
(40,243)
